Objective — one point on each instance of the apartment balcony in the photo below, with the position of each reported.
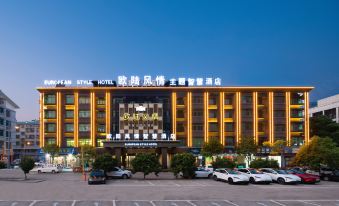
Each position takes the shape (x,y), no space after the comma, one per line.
(212,119)
(229,120)
(50,106)
(69,107)
(49,120)
(297,119)
(212,107)
(228,107)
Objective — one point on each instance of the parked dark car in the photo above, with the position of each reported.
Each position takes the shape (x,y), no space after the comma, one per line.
(331,176)
(97,177)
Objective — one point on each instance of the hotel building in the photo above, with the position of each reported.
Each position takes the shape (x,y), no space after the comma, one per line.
(167,120)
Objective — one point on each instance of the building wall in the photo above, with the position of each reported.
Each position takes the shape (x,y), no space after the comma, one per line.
(328,106)
(197,114)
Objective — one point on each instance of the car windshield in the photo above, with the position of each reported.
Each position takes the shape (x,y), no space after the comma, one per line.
(296,172)
(232,172)
(283,172)
(253,171)
(97,173)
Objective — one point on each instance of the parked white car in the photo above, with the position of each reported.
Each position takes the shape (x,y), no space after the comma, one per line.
(203,173)
(209,167)
(47,169)
(67,169)
(256,176)
(230,176)
(281,176)
(119,173)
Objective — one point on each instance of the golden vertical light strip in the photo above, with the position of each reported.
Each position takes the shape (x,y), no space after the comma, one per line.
(288,122)
(271,117)
(238,120)
(255,120)
(108,112)
(221,118)
(205,117)
(306,118)
(93,122)
(188,108)
(76,118)
(174,112)
(42,120)
(59,118)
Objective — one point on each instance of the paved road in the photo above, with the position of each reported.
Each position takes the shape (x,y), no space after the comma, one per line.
(173,203)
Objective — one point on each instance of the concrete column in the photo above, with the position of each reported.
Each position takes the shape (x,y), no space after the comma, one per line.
(164,157)
(117,152)
(337,114)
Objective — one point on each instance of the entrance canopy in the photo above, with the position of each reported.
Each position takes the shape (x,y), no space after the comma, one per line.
(141,144)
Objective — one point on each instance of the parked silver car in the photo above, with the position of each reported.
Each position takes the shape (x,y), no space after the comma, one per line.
(119,173)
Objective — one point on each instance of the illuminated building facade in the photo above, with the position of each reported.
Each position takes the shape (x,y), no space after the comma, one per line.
(171,119)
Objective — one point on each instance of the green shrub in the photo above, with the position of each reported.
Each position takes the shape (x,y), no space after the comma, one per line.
(2,165)
(183,163)
(264,163)
(146,163)
(105,162)
(223,163)
(26,164)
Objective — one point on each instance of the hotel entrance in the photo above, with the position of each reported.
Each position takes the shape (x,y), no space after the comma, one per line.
(131,153)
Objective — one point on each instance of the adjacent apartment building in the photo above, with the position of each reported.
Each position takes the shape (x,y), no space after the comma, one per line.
(171,119)
(328,106)
(7,126)
(27,140)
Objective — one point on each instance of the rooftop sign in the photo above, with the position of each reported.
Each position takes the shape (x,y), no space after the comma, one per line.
(137,81)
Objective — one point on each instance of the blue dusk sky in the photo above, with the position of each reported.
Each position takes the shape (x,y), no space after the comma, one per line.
(243,42)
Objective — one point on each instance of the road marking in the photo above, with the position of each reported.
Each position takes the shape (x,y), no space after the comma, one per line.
(174,204)
(55,203)
(191,203)
(231,202)
(96,204)
(278,203)
(33,203)
(176,184)
(149,182)
(260,203)
(309,203)
(73,203)
(14,203)
(113,202)
(136,204)
(152,203)
(214,203)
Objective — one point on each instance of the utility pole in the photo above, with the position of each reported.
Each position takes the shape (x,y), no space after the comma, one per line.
(8,153)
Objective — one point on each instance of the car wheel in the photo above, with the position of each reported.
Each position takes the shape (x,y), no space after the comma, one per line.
(252,180)
(209,176)
(215,178)
(230,181)
(39,171)
(326,178)
(281,181)
(124,176)
(53,171)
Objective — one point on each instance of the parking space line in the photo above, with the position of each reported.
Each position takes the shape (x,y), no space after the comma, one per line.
(231,202)
(214,203)
(149,182)
(174,204)
(191,203)
(278,203)
(152,203)
(73,203)
(136,204)
(260,203)
(14,203)
(113,202)
(55,203)
(33,203)
(309,203)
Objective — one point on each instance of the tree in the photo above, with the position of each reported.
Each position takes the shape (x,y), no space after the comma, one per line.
(323,126)
(247,147)
(212,147)
(105,162)
(26,164)
(264,163)
(183,163)
(52,150)
(223,163)
(146,163)
(87,153)
(318,151)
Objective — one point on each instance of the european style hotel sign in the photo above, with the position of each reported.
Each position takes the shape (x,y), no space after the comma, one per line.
(137,81)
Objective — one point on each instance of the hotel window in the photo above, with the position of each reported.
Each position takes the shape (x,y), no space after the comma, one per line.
(101,115)
(8,113)
(197,126)
(180,127)
(198,113)
(100,143)
(69,99)
(101,128)
(246,99)
(230,141)
(84,100)
(69,127)
(101,101)
(229,127)
(297,127)
(279,128)
(69,142)
(228,100)
(212,114)
(180,114)
(8,123)
(180,101)
(1,110)
(50,99)
(279,99)
(197,100)
(279,113)
(50,114)
(213,127)
(50,127)
(50,141)
(212,100)
(84,114)
(84,127)
(69,114)
(84,141)
(246,113)
(229,114)
(297,141)
(2,122)
(1,133)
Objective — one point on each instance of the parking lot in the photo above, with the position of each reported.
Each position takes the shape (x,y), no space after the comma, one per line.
(71,189)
